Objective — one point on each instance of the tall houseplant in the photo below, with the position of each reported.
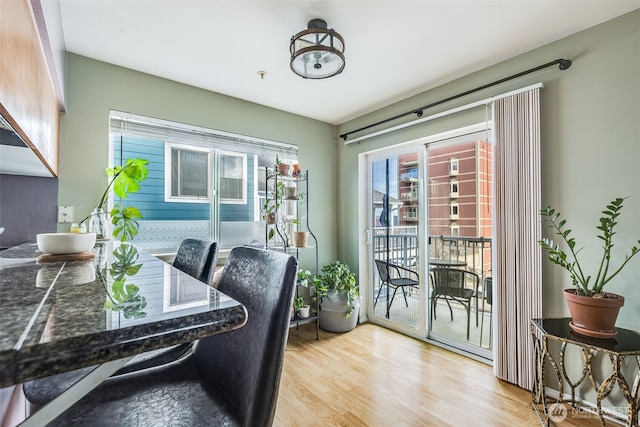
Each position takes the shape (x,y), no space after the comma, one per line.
(124,180)
(588,289)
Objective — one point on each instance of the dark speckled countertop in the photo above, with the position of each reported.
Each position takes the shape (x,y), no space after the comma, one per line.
(64,315)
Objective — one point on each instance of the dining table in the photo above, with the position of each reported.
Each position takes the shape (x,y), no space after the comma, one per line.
(59,314)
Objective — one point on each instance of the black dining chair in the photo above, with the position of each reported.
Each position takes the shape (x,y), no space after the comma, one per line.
(230,379)
(452,285)
(395,277)
(197,258)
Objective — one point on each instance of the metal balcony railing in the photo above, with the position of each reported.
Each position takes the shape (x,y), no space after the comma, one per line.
(401,248)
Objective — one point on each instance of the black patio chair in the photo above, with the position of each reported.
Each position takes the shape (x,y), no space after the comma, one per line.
(230,379)
(450,284)
(395,277)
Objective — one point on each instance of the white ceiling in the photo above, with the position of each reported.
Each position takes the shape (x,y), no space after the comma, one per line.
(394,49)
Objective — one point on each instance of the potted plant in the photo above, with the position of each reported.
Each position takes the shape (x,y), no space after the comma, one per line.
(124,180)
(300,238)
(299,307)
(282,168)
(338,292)
(272,203)
(593,311)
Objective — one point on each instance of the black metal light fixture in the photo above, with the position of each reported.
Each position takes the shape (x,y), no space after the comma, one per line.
(317,52)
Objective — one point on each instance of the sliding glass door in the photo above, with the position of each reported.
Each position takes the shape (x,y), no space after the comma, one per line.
(429,240)
(459,223)
(395,204)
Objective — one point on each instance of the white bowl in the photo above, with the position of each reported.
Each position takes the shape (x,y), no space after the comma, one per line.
(65,243)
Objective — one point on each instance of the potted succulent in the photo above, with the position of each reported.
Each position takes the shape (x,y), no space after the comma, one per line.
(338,291)
(124,180)
(593,311)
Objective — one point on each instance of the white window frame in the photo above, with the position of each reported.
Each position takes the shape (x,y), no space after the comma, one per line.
(454,184)
(243,200)
(168,146)
(454,210)
(454,166)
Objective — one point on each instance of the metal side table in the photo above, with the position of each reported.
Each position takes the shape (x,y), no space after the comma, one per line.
(625,345)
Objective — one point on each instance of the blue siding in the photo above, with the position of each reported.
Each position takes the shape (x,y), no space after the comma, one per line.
(150,199)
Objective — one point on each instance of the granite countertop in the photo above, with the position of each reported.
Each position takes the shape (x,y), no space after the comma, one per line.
(63,315)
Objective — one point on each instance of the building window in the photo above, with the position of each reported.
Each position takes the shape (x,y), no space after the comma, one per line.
(453,166)
(453,211)
(412,213)
(455,230)
(453,188)
(233,177)
(186,173)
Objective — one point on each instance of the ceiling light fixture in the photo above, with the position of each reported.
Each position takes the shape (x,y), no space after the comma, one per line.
(317,52)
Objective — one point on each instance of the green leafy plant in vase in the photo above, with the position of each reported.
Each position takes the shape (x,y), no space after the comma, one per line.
(588,289)
(124,180)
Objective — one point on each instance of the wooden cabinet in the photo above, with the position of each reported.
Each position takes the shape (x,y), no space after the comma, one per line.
(28,100)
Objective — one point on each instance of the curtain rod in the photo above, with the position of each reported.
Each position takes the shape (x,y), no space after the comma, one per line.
(443,113)
(562,63)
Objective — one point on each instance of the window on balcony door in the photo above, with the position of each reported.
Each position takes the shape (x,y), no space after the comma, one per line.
(394,219)
(202,183)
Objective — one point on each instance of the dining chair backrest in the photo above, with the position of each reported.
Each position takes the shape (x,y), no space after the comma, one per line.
(197,258)
(246,364)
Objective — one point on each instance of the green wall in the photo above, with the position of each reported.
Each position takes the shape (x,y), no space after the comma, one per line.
(590,142)
(590,145)
(94,87)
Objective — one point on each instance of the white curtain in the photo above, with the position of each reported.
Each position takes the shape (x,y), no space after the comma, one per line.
(517,275)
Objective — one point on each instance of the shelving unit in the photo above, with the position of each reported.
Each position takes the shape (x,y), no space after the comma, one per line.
(287,197)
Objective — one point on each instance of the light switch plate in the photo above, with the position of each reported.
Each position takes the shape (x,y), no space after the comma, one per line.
(65,213)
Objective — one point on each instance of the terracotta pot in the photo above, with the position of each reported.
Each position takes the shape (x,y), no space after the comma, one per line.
(593,317)
(283,168)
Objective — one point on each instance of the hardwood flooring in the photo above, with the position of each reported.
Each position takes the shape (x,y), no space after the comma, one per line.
(372,376)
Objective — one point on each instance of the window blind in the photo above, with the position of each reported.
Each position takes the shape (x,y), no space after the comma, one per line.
(129,124)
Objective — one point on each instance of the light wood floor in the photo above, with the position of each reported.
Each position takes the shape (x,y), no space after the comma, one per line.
(372,376)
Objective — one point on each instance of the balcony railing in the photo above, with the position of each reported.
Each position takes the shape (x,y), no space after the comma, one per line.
(400,246)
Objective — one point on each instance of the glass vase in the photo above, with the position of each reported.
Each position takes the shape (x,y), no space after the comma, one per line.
(98,224)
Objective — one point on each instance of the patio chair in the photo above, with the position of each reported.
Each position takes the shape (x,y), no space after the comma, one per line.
(450,284)
(195,257)
(230,379)
(395,277)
